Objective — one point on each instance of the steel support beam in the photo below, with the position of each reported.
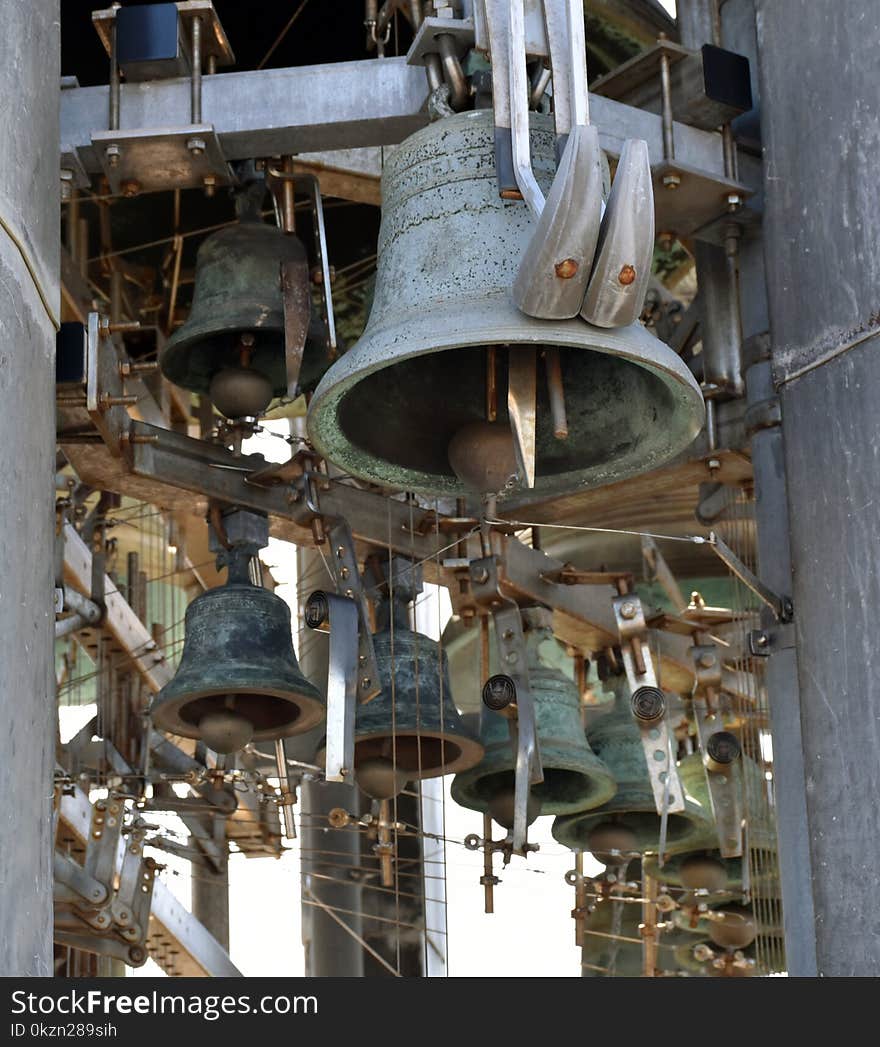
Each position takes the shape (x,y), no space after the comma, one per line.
(29,306)
(335,110)
(821,128)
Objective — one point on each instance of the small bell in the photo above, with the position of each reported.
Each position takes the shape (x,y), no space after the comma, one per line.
(238,679)
(575,779)
(231,347)
(411,729)
(631,814)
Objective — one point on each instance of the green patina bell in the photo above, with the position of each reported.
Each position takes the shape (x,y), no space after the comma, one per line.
(411,729)
(231,347)
(574,778)
(629,821)
(449,252)
(238,679)
(703,867)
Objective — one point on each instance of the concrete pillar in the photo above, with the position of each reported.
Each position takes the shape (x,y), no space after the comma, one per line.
(29,304)
(820,124)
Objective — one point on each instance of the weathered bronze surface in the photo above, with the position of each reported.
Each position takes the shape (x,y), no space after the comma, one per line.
(238,656)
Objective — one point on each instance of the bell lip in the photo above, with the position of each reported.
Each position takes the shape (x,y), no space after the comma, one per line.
(471,752)
(495,320)
(165,712)
(466,780)
(571,830)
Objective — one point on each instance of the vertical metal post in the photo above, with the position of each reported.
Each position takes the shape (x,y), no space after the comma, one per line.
(331,858)
(29,304)
(113,114)
(196,92)
(823,204)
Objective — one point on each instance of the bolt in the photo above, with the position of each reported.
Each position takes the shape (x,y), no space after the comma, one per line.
(66,184)
(130,187)
(481,576)
(209,182)
(706,661)
(713,465)
(196,146)
(366,681)
(626,275)
(566,269)
(627,610)
(734,202)
(671,180)
(113,154)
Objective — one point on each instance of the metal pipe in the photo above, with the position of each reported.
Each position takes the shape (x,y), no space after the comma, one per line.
(82,605)
(196,96)
(556,392)
(113,117)
(540,80)
(453,72)
(434,71)
(66,626)
(287,797)
(666,112)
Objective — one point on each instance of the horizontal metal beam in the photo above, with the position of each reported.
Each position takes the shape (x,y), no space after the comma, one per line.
(337,110)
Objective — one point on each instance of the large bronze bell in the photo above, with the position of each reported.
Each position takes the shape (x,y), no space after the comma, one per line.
(231,347)
(574,778)
(238,679)
(629,821)
(449,251)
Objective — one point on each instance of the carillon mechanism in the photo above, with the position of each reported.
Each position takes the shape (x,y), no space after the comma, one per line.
(484,457)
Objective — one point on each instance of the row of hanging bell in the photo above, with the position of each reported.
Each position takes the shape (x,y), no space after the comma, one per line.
(412,729)
(575,779)
(232,346)
(628,822)
(444,334)
(238,679)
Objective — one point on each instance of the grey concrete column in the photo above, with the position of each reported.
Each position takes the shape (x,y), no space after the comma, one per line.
(821,135)
(29,298)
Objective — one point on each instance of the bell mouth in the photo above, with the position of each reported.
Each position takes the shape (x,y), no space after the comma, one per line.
(682,832)
(631,403)
(562,791)
(273,714)
(423,755)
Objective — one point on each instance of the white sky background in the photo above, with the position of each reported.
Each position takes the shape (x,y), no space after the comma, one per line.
(531,932)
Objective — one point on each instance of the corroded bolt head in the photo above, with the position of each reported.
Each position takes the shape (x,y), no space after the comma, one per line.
(113,153)
(627,610)
(626,275)
(566,269)
(671,180)
(196,146)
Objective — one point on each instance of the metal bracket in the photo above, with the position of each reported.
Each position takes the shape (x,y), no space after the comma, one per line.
(781,606)
(512,656)
(656,742)
(339,614)
(344,567)
(724,784)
